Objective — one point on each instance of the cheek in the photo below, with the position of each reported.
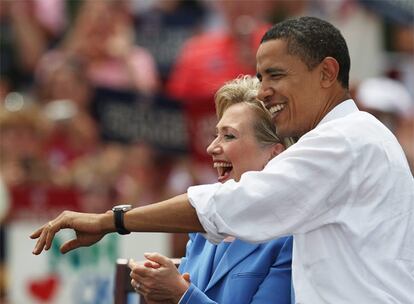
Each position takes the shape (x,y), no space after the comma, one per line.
(253,159)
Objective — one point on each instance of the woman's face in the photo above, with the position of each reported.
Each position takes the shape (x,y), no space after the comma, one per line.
(235,149)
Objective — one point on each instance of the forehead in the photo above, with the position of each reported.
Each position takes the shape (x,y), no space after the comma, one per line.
(274,53)
(239,115)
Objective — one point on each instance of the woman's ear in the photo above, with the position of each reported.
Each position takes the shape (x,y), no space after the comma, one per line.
(276,150)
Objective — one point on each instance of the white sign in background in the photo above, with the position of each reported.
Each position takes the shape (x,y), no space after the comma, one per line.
(83,276)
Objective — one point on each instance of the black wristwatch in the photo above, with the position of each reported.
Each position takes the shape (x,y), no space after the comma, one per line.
(119,211)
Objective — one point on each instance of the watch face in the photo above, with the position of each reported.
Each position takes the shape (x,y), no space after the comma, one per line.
(123,208)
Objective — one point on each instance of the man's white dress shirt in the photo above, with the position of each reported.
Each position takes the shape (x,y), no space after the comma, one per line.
(345,192)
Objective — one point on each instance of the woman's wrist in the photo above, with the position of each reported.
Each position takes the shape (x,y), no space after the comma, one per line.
(182,289)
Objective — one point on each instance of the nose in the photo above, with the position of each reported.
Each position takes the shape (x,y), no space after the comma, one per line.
(214,148)
(264,93)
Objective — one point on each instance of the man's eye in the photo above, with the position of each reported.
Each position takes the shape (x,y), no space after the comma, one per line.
(229,136)
(276,76)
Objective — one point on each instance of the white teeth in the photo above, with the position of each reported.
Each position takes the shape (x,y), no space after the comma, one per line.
(276,108)
(222,164)
(220,167)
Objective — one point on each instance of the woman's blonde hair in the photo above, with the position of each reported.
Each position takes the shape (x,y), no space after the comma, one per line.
(244,89)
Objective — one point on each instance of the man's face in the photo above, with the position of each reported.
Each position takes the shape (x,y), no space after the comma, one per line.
(289,89)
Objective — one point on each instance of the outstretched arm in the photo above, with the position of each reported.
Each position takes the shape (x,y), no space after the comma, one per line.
(173,215)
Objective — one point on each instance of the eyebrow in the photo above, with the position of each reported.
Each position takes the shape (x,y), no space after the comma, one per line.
(225,129)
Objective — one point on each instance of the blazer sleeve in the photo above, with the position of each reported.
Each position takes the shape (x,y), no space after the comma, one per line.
(194,295)
(276,286)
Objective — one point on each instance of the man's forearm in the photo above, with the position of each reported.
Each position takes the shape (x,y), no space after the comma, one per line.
(172,215)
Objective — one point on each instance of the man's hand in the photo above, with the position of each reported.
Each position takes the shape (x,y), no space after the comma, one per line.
(89,229)
(158,280)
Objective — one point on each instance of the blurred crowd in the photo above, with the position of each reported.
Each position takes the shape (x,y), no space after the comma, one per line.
(58,57)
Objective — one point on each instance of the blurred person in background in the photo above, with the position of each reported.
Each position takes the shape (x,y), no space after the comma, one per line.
(26,32)
(397,22)
(32,182)
(209,59)
(163,28)
(390,102)
(22,132)
(102,39)
(4,208)
(65,95)
(146,175)
(232,271)
(96,175)
(143,175)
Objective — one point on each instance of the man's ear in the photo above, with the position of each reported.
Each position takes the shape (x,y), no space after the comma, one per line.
(329,71)
(276,150)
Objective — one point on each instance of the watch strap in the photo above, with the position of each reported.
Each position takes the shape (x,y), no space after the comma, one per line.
(119,222)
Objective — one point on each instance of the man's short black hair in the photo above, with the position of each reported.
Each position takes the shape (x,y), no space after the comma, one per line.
(313,39)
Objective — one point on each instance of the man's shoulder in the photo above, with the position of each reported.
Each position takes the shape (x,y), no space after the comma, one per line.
(354,125)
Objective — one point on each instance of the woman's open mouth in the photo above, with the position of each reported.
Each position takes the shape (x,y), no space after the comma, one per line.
(223,170)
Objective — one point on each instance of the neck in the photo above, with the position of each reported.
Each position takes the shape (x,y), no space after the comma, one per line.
(331,101)
(335,100)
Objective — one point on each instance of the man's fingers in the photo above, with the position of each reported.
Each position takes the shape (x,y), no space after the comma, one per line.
(50,234)
(37,233)
(38,248)
(70,245)
(45,235)
(40,245)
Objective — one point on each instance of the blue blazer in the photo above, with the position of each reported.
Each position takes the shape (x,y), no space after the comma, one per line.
(246,273)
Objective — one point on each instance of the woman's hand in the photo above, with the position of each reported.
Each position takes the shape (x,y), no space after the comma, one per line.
(89,229)
(158,280)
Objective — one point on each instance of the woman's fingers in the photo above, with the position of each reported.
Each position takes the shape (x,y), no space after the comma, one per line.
(132,264)
(152,264)
(186,276)
(158,258)
(139,272)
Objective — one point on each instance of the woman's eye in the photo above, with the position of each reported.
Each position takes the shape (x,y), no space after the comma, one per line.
(229,136)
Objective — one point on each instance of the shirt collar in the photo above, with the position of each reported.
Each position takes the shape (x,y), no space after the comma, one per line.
(341,110)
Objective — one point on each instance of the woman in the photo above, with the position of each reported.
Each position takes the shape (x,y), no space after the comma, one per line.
(232,271)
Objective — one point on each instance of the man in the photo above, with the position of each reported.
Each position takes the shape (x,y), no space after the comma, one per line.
(344,190)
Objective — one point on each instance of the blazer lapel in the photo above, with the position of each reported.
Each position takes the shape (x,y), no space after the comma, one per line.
(236,252)
(201,265)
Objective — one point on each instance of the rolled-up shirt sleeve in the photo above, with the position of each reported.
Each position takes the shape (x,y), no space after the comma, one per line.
(296,192)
